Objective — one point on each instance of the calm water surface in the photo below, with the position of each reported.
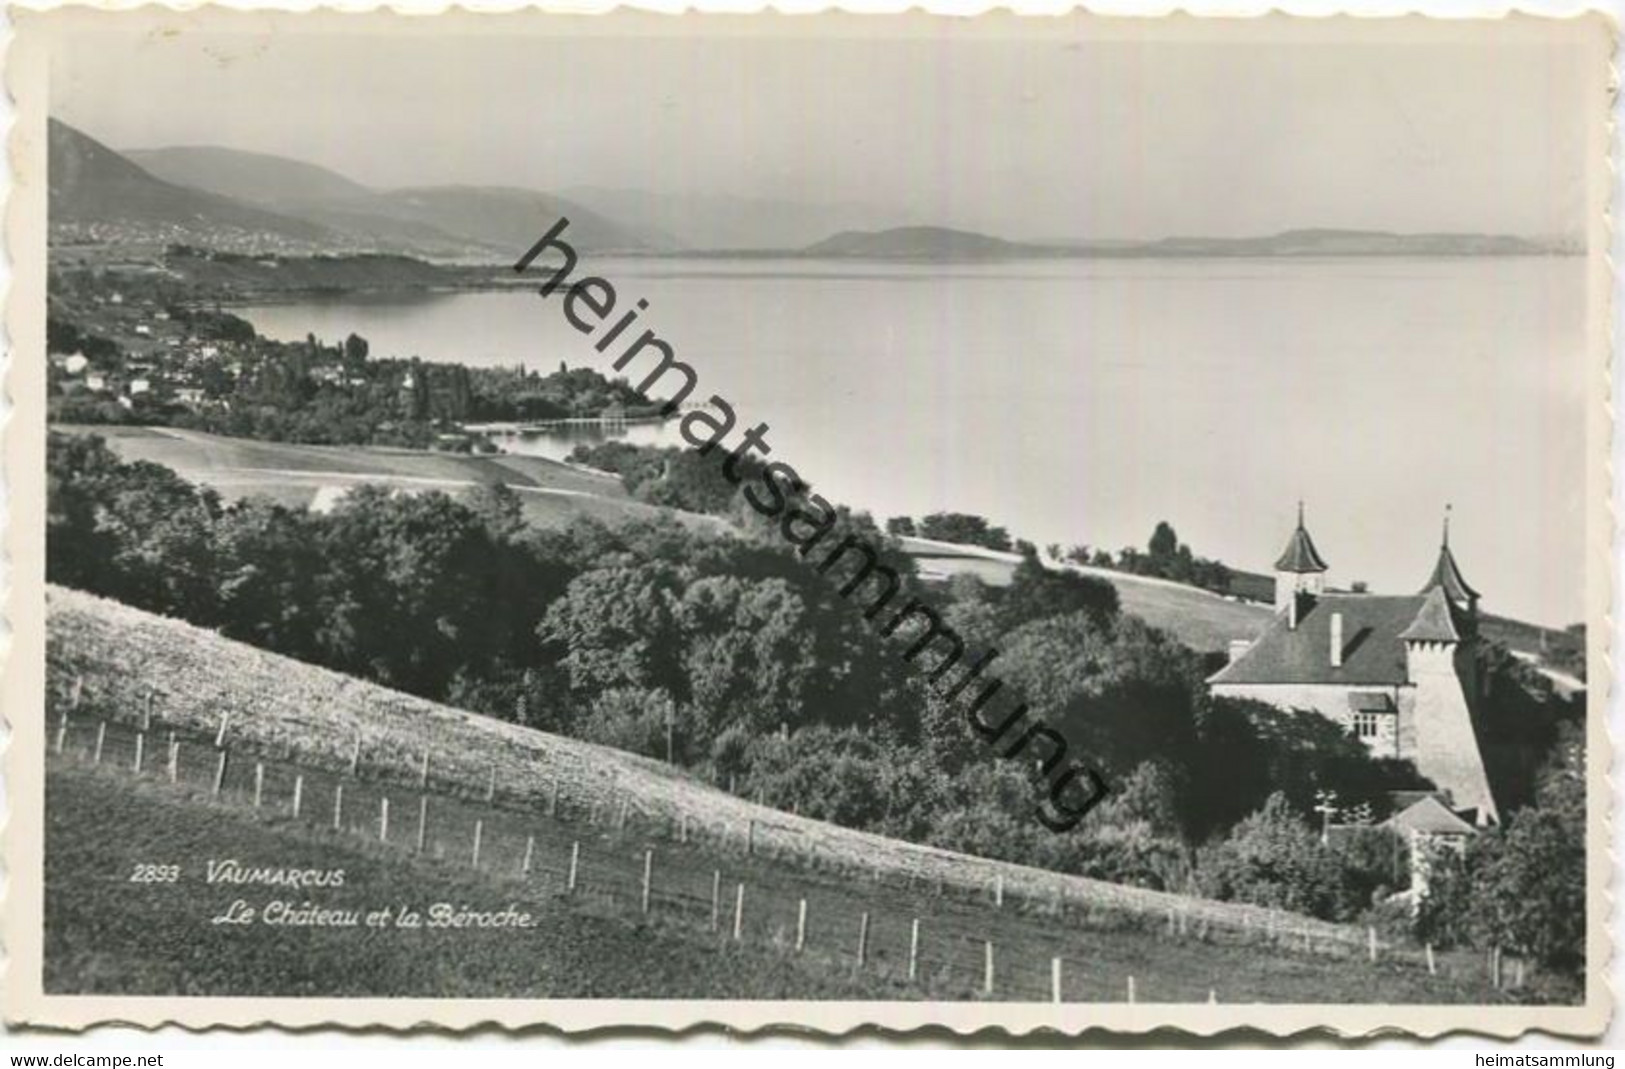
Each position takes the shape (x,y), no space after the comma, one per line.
(1084,401)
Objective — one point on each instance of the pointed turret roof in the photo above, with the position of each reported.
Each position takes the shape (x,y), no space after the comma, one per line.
(1434,623)
(1300,554)
(1447,574)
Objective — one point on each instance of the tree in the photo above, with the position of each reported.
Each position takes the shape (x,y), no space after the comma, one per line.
(1273,858)
(1164,542)
(900,526)
(355,353)
(616,627)
(1531,893)
(1036,592)
(965,529)
(747,653)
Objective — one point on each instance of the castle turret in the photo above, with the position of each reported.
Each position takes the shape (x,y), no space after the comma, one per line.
(1439,665)
(1300,574)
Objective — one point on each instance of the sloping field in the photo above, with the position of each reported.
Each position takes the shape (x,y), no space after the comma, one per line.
(128,661)
(550,493)
(107,934)
(1202,620)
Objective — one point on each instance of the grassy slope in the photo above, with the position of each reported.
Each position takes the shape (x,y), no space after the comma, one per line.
(550,492)
(1201,620)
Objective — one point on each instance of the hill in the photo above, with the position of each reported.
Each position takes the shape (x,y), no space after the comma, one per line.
(256,177)
(545,798)
(715,221)
(914,243)
(98,195)
(941,243)
(484,222)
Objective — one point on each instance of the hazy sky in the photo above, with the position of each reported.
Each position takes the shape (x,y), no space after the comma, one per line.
(1035,132)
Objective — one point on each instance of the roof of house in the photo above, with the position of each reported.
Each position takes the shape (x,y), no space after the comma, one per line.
(1430,817)
(1300,554)
(1373,650)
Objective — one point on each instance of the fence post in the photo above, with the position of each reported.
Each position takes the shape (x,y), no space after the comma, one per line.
(1495,967)
(530,849)
(491,785)
(1370,941)
(259,782)
(62,732)
(739,911)
(1212,997)
(355,757)
(1432,969)
(914,950)
(338,806)
(101,737)
(987,968)
(863,939)
(174,759)
(78,691)
(423,772)
(1131,990)
(220,772)
(146,713)
(620,816)
(140,747)
(998,891)
(801,925)
(716,898)
(220,735)
(575,858)
(1517,974)
(383,820)
(423,821)
(750,837)
(1055,979)
(648,876)
(479,830)
(298,792)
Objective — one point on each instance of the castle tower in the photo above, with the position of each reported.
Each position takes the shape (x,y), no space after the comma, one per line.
(1299,574)
(1445,748)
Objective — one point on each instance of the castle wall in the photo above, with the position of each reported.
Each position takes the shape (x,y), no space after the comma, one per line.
(1330,700)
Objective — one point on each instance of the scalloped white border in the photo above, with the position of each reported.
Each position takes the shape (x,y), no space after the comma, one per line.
(21,642)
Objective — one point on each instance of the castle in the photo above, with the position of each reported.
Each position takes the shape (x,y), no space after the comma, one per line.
(1397,670)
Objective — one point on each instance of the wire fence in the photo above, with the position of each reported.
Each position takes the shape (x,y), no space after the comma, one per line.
(996,939)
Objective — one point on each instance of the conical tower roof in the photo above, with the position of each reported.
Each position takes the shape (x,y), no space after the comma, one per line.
(1300,554)
(1447,574)
(1434,622)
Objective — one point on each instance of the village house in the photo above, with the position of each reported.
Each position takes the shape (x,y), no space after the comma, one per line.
(1397,671)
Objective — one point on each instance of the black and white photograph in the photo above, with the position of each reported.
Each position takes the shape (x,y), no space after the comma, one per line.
(837,520)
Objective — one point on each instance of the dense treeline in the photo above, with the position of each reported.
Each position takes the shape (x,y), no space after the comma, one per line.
(754,668)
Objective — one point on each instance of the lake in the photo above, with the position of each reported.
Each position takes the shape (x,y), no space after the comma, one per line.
(1083,401)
